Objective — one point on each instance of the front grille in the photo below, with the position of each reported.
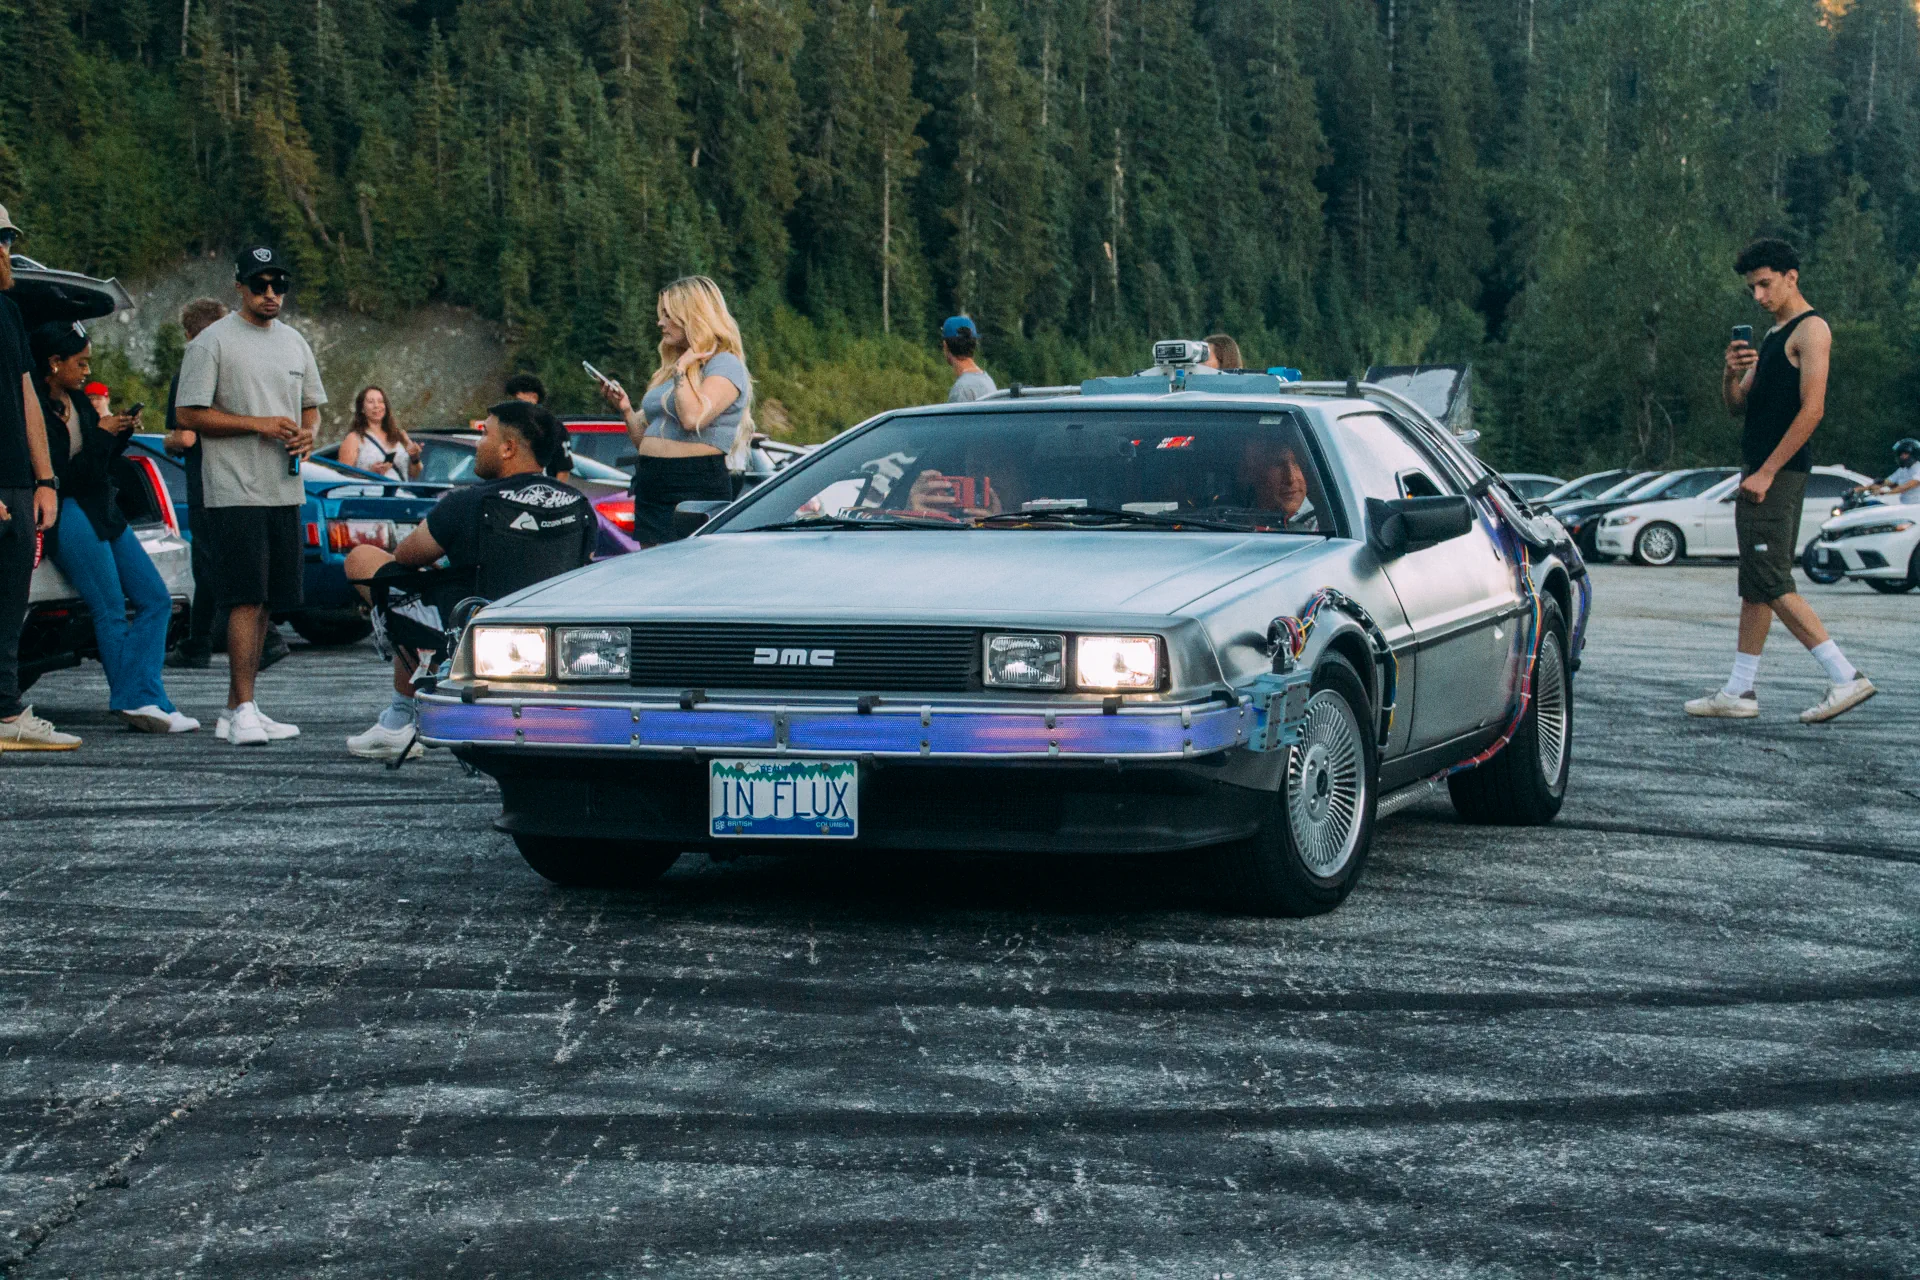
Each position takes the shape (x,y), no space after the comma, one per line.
(720,655)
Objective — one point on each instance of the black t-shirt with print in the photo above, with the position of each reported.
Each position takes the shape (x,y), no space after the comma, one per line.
(16,359)
(454,522)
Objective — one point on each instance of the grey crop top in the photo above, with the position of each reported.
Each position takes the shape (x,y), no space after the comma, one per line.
(662,421)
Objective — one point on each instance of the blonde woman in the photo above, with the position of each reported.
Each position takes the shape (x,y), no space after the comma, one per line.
(376,442)
(696,411)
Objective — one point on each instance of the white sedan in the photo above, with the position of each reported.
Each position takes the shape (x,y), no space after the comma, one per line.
(1659,533)
(1877,544)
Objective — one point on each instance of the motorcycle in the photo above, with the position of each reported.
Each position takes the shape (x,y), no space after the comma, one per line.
(1810,563)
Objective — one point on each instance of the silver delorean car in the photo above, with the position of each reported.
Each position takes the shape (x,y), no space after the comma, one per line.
(1182,610)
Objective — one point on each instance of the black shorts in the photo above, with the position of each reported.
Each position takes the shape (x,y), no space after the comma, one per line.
(257,557)
(1767,533)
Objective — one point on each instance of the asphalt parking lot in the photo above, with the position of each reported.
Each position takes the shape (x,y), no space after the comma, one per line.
(277,1012)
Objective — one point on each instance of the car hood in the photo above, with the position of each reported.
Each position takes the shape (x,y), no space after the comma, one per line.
(1878,513)
(911,574)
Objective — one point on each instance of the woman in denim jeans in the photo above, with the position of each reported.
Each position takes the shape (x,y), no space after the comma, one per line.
(92,543)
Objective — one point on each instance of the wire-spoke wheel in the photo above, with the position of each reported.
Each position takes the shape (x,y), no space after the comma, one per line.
(1658,544)
(1313,845)
(1525,783)
(1325,783)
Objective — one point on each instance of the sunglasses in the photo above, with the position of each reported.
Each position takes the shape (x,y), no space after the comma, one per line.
(8,236)
(257,285)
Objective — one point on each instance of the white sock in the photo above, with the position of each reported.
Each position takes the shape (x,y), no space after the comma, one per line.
(1745,667)
(1828,655)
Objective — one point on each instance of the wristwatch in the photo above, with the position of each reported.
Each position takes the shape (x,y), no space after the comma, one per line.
(51,482)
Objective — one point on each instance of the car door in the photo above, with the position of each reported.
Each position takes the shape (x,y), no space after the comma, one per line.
(1460,596)
(1710,524)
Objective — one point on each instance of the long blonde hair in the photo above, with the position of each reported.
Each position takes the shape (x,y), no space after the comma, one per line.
(696,304)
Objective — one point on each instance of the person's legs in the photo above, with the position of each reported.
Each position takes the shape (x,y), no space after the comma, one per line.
(146,644)
(246,633)
(197,648)
(90,566)
(391,733)
(16,583)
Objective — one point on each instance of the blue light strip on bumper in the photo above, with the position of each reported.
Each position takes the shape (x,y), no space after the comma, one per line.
(1149,731)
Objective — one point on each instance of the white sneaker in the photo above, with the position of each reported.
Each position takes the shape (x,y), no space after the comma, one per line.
(1722,705)
(177,723)
(147,719)
(276,732)
(28,732)
(1840,697)
(382,743)
(245,727)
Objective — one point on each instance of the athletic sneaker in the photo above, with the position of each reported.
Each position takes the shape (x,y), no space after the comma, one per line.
(276,732)
(382,743)
(28,732)
(245,727)
(1722,705)
(147,719)
(177,723)
(1840,698)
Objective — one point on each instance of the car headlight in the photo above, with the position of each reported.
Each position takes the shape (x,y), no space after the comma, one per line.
(591,653)
(1117,662)
(509,653)
(1878,530)
(1618,522)
(1026,662)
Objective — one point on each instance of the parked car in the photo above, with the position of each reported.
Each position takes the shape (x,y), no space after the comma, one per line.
(1531,485)
(1583,518)
(1658,533)
(1127,619)
(1591,485)
(344,507)
(1573,514)
(1878,544)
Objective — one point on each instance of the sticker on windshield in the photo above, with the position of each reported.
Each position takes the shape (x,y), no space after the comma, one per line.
(1175,442)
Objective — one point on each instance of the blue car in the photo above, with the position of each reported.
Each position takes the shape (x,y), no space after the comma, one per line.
(345,507)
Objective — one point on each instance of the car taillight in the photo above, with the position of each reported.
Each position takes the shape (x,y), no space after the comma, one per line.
(162,498)
(345,535)
(619,511)
(313,533)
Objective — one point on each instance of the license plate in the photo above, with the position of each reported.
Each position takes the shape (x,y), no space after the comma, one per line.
(784,799)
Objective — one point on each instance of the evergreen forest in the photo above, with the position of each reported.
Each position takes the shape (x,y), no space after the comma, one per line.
(1551,189)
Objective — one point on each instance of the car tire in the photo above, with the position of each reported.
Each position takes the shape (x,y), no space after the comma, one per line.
(1313,844)
(1525,784)
(1659,545)
(596,864)
(1811,567)
(1890,586)
(331,628)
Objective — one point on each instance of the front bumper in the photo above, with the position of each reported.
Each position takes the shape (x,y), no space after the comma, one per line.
(651,725)
(1880,557)
(1615,541)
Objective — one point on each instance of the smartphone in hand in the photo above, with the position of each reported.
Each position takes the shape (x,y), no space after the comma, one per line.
(1743,333)
(595,374)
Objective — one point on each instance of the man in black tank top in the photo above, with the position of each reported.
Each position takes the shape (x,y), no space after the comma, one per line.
(1781,388)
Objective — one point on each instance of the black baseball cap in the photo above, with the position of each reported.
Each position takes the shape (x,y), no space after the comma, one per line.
(257,261)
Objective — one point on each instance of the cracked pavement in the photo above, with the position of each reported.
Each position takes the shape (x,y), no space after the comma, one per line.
(278,1012)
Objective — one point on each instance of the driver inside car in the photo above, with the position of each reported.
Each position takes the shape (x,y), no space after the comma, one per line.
(1267,479)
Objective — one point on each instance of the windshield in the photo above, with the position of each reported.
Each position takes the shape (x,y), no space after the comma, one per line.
(1584,487)
(1628,486)
(604,448)
(1082,466)
(1653,487)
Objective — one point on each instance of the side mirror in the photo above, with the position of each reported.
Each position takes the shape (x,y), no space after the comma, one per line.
(1413,524)
(689,516)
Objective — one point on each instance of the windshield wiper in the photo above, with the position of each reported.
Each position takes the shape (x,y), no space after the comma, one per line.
(1108,516)
(878,520)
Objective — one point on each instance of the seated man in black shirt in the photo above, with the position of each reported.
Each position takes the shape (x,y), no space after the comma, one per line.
(517,442)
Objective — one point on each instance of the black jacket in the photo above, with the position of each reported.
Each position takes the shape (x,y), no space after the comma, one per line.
(87,476)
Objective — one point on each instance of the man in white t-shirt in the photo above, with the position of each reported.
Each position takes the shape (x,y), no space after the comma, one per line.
(1904,483)
(959,339)
(251,390)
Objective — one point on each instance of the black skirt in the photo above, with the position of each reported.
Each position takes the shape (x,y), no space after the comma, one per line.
(660,484)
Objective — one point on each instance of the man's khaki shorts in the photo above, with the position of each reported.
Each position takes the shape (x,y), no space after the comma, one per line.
(1768,532)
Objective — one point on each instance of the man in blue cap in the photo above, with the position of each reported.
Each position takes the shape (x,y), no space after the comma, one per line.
(959,339)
